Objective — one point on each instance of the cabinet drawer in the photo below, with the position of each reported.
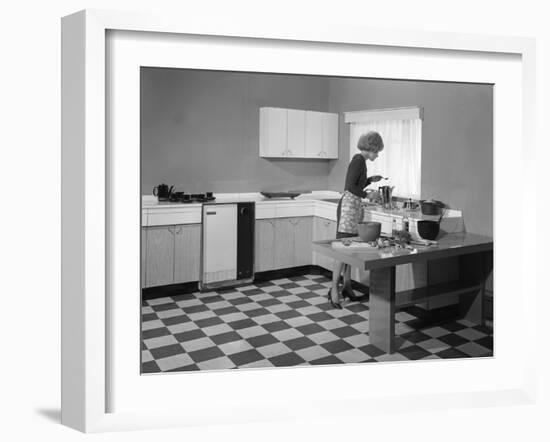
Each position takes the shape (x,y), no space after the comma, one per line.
(171,216)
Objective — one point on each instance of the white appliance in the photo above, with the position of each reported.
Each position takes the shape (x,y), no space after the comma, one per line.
(227,244)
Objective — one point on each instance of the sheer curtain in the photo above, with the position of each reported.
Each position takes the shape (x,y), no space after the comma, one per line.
(400,161)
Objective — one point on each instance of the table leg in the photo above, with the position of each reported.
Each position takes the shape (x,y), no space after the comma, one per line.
(475,269)
(382,308)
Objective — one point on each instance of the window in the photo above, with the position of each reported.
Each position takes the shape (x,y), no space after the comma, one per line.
(400,161)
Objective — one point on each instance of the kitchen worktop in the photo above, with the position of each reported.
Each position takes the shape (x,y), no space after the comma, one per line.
(316,203)
(149,201)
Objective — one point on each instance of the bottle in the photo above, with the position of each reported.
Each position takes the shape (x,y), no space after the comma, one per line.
(406,220)
(394,227)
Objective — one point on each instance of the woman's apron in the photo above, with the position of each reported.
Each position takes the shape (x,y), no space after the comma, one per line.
(351,213)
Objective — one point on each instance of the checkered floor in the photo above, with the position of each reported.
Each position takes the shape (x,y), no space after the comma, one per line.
(288,322)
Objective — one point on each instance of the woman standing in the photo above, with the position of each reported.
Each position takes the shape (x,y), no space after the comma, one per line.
(350,212)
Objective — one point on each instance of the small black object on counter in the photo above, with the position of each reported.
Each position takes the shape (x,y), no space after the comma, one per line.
(291,195)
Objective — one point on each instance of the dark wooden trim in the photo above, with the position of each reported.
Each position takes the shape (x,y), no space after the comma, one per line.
(169,290)
(286,273)
(419,295)
(190,287)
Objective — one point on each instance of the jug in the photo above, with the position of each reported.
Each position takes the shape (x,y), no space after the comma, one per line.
(162,191)
(385,195)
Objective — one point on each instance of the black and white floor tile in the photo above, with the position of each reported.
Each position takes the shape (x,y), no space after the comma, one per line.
(288,322)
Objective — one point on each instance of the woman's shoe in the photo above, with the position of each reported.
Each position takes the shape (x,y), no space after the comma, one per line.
(334,304)
(348,293)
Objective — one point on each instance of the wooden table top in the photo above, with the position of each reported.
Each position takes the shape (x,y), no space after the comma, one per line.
(362,256)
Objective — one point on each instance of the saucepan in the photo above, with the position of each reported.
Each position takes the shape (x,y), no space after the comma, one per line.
(431,207)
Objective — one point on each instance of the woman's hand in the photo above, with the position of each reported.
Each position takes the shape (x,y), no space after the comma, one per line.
(375,178)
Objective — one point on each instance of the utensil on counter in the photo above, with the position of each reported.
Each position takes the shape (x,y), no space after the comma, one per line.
(162,191)
(176,196)
(386,195)
(428,229)
(431,207)
(291,195)
(410,205)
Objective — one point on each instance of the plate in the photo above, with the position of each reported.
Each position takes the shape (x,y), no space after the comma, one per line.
(280,194)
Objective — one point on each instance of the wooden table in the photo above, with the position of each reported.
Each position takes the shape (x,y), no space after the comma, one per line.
(475,260)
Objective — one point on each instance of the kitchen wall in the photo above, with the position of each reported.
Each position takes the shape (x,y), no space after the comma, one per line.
(457,139)
(200,130)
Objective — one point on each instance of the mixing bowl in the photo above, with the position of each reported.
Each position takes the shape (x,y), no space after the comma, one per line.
(428,229)
(369,231)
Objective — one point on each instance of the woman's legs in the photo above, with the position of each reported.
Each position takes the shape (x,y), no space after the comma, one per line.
(347,277)
(336,271)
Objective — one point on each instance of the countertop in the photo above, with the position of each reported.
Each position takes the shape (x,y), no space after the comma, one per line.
(317,203)
(449,244)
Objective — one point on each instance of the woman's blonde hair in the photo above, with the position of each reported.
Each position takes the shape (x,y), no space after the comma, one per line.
(371,142)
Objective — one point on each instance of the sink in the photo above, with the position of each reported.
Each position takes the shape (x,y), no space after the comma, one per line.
(331,200)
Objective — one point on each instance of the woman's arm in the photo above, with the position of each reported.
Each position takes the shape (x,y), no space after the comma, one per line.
(356,177)
(373,179)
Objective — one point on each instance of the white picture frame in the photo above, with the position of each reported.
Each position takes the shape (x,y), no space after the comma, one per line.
(88,232)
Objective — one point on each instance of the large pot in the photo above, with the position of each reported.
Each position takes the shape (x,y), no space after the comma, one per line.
(431,207)
(427,229)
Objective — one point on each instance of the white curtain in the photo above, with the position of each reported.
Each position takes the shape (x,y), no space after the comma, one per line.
(400,160)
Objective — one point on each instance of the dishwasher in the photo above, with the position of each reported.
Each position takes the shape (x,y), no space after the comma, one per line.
(227,245)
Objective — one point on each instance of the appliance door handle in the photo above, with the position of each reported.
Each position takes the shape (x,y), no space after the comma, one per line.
(210,213)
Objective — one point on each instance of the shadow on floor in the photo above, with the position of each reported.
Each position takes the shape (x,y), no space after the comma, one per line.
(52,414)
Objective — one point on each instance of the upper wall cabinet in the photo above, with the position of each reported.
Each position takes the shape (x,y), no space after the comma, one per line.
(292,133)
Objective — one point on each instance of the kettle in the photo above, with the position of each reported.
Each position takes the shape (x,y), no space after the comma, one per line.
(162,191)
(385,195)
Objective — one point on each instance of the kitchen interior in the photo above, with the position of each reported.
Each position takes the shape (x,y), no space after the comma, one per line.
(241,174)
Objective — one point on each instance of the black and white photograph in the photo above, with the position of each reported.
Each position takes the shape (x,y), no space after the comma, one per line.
(291,220)
(304,220)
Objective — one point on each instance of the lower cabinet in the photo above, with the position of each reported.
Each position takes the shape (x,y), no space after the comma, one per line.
(264,256)
(159,257)
(283,242)
(187,253)
(143,255)
(170,254)
(303,235)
